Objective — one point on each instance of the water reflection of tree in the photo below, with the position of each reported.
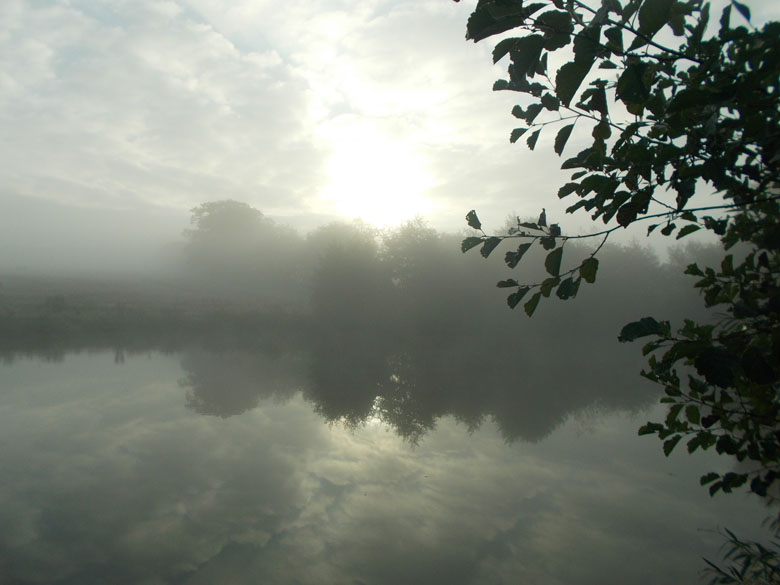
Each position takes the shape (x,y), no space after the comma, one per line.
(413,339)
(230,383)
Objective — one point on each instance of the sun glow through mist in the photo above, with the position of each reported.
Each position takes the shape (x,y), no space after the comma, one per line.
(376,179)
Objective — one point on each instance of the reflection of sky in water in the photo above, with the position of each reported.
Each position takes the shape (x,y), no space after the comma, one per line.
(108,476)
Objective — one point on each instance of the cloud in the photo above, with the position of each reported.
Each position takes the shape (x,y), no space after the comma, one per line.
(175,103)
(143,102)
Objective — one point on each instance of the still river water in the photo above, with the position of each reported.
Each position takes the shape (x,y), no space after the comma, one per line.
(219,468)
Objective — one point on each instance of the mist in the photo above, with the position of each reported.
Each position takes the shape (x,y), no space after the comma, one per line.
(395,323)
(250,394)
(44,237)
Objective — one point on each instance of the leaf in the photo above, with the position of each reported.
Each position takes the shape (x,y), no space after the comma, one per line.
(628,212)
(693,270)
(550,102)
(503,47)
(725,19)
(489,19)
(670,444)
(653,15)
(548,243)
(726,444)
(588,269)
(469,243)
(525,55)
(514,299)
(688,229)
(642,328)
(512,258)
(587,45)
(529,225)
(649,428)
(708,478)
(533,138)
(690,98)
(709,420)
(507,283)
(557,28)
(473,220)
(732,480)
(568,80)
(541,66)
(530,306)
(685,190)
(717,365)
(560,141)
(674,412)
(552,264)
(602,131)
(489,245)
(692,414)
(568,188)
(532,111)
(756,367)
(631,86)
(614,39)
(759,486)
(694,443)
(677,24)
(566,289)
(668,229)
(597,100)
(516,134)
(548,284)
(742,9)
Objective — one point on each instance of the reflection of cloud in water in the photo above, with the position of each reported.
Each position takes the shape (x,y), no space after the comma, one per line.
(115,482)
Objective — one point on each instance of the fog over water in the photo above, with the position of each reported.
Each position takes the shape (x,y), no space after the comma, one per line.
(352,405)
(116,478)
(259,389)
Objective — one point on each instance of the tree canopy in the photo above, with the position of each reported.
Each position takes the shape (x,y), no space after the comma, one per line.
(234,250)
(683,127)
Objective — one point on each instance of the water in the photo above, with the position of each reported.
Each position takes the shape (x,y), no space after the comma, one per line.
(238,468)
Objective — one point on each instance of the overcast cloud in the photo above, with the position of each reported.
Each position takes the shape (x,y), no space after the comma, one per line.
(126,114)
(307,111)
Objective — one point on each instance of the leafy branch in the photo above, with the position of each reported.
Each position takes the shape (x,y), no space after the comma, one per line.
(662,118)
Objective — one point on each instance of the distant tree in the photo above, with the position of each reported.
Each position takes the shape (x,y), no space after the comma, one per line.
(346,270)
(241,252)
(406,252)
(670,112)
(225,226)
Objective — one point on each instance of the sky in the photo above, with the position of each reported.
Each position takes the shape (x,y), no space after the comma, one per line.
(120,116)
(380,109)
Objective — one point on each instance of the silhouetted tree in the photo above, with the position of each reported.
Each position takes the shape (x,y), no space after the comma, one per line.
(666,119)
